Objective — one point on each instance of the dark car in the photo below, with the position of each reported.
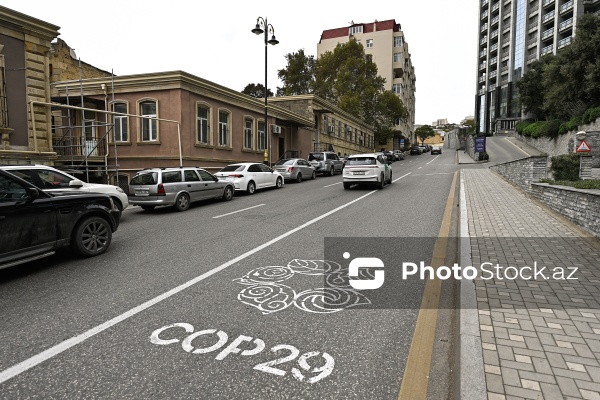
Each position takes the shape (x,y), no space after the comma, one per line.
(436,150)
(416,150)
(34,224)
(389,155)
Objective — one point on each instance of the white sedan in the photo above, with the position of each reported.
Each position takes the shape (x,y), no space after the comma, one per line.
(250,176)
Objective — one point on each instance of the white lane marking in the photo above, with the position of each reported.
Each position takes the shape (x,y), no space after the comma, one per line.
(67,344)
(333,184)
(436,173)
(235,212)
(436,157)
(419,167)
(397,179)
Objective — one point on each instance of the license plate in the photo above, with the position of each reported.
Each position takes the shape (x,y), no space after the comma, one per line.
(141,193)
(359,172)
(230,178)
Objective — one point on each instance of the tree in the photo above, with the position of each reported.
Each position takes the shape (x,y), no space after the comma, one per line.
(299,75)
(531,89)
(424,132)
(388,110)
(257,90)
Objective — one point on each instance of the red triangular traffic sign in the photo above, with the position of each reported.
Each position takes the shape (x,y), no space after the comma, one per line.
(583,147)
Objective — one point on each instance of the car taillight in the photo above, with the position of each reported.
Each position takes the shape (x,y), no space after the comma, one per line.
(161,190)
(237,175)
(290,169)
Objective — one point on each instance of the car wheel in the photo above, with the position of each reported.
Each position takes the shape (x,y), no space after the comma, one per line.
(381,182)
(118,204)
(347,185)
(331,172)
(279,183)
(390,180)
(91,236)
(228,193)
(299,177)
(314,175)
(182,202)
(251,188)
(147,208)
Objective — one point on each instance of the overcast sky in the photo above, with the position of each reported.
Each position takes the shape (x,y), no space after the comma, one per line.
(212,40)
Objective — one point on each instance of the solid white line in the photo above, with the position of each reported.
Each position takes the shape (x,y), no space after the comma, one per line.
(333,184)
(67,344)
(436,173)
(397,179)
(433,159)
(235,212)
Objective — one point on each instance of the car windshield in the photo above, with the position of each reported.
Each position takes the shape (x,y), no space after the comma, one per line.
(232,168)
(315,157)
(148,178)
(361,161)
(285,162)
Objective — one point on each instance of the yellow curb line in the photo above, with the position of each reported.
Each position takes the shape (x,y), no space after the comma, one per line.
(416,374)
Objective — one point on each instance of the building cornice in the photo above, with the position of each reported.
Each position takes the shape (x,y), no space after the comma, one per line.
(28,24)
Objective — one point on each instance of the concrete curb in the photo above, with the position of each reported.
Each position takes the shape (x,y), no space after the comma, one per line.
(471,368)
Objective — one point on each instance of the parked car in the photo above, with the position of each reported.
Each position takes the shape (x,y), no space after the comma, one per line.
(251,176)
(177,187)
(390,156)
(371,168)
(416,150)
(398,154)
(36,223)
(436,150)
(52,180)
(295,169)
(326,162)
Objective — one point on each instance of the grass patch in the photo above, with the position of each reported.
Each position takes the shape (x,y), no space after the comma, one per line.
(583,184)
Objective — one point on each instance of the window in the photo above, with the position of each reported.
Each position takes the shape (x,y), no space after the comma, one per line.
(190,176)
(149,126)
(121,129)
(223,128)
(355,29)
(205,175)
(397,88)
(325,124)
(369,43)
(340,129)
(248,132)
(397,57)
(202,118)
(171,177)
(398,41)
(262,137)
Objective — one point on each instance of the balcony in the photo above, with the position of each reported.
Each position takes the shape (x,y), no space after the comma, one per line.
(504,70)
(568,6)
(482,78)
(482,66)
(532,42)
(78,148)
(532,56)
(483,28)
(546,50)
(483,40)
(494,47)
(482,53)
(495,20)
(547,3)
(481,91)
(505,56)
(565,24)
(547,33)
(506,43)
(532,28)
(485,14)
(533,11)
(564,42)
(507,13)
(495,7)
(493,74)
(494,34)
(493,61)
(484,3)
(548,17)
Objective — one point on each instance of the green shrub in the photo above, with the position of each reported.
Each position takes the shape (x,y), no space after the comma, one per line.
(583,184)
(570,125)
(520,127)
(566,167)
(533,130)
(590,115)
(550,128)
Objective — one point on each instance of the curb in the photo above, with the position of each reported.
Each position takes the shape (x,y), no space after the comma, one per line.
(471,370)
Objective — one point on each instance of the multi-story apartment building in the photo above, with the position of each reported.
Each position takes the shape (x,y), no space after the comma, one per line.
(385,42)
(512,34)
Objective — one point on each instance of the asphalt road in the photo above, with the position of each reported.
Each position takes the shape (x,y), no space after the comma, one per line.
(219,301)
(502,150)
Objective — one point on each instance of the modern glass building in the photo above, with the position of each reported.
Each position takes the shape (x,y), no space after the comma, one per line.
(512,34)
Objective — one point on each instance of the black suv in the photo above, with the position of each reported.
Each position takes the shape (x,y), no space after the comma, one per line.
(34,224)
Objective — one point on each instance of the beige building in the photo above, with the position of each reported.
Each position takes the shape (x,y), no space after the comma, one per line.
(25,48)
(385,42)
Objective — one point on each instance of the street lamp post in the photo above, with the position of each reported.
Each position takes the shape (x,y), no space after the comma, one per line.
(262,26)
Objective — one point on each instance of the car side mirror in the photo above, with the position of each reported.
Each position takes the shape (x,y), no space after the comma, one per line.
(32,193)
(75,183)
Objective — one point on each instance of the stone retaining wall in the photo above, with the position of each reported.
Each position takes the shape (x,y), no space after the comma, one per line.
(578,205)
(523,172)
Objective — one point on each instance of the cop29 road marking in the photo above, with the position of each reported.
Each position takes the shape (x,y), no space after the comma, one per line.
(37,359)
(235,212)
(333,184)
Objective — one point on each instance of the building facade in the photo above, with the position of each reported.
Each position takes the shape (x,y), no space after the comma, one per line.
(385,42)
(25,47)
(512,34)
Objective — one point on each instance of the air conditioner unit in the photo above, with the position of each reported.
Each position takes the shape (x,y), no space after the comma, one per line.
(276,129)
(331,129)
(349,129)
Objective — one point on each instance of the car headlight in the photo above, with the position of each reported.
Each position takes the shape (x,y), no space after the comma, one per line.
(120,190)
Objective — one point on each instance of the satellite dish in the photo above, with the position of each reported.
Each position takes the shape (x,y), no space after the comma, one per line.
(72,53)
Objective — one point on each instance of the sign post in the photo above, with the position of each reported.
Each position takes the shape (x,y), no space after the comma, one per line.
(480,144)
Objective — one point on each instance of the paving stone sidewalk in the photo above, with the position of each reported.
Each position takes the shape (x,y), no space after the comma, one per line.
(540,338)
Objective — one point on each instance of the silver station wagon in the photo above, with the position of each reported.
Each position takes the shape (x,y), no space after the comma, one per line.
(177,187)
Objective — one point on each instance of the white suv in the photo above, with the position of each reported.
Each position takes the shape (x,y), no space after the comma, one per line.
(371,168)
(53,180)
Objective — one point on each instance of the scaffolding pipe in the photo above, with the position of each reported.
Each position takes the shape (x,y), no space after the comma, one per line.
(33,103)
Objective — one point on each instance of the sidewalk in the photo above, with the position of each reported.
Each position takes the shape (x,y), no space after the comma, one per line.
(540,339)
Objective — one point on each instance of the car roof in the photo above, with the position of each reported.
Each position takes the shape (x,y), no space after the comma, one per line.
(364,155)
